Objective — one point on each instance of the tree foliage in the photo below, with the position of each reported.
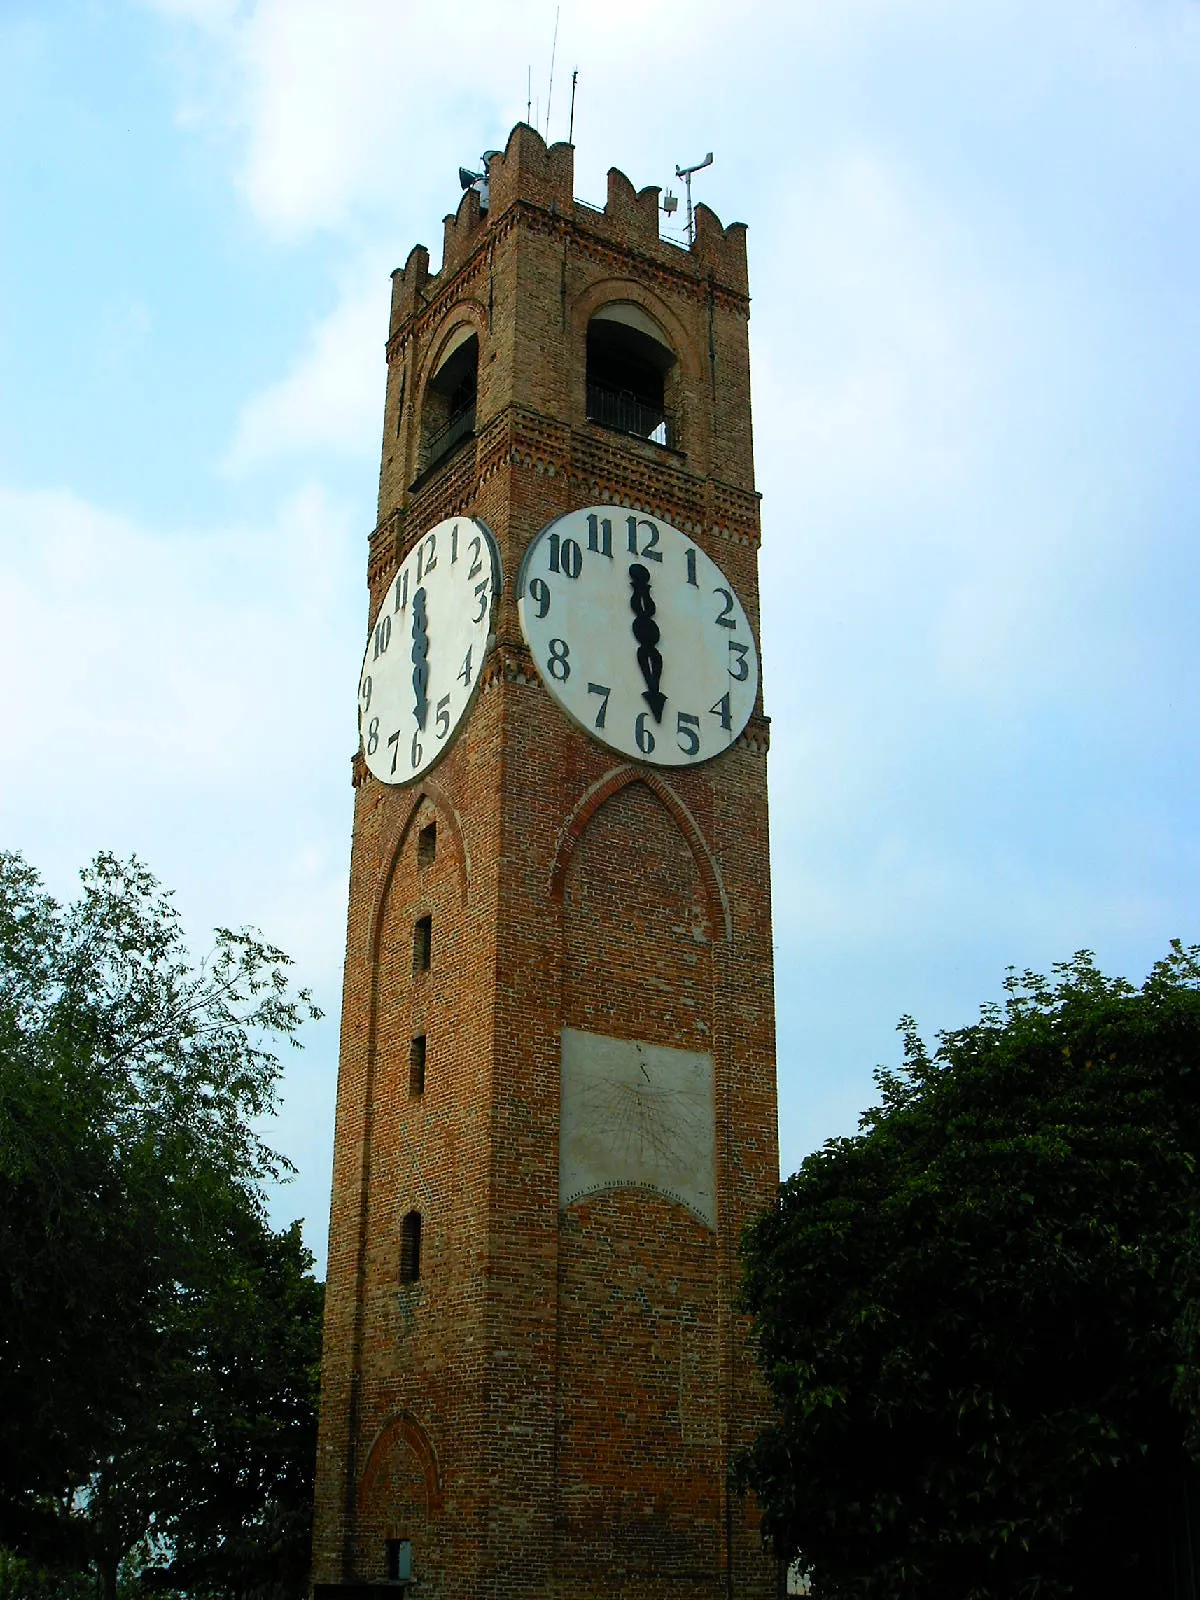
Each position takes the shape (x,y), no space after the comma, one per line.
(158,1343)
(978,1318)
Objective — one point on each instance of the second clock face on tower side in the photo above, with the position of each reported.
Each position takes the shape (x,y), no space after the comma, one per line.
(638,635)
(425,649)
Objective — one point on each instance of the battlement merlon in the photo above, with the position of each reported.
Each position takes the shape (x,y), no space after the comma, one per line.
(531,173)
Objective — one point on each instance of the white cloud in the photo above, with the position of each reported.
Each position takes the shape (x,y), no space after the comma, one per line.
(875,374)
(173,652)
(342,107)
(349,107)
(333,397)
(202,13)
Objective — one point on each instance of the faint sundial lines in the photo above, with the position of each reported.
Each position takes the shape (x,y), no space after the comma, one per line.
(636,1115)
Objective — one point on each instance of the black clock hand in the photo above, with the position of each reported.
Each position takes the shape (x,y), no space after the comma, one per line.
(420,656)
(646,632)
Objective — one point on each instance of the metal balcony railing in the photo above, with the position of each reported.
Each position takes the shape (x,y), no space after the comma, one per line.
(622,410)
(460,426)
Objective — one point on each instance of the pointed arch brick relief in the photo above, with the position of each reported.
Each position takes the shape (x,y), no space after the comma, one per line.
(720,919)
(641,903)
(430,798)
(399,1493)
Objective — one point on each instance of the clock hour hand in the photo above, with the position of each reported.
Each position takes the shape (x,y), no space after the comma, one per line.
(420,657)
(646,632)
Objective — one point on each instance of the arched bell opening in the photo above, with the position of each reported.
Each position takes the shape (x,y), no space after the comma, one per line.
(632,375)
(449,413)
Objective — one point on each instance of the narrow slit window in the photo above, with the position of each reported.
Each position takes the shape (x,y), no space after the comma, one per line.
(416,1065)
(423,944)
(427,845)
(410,1248)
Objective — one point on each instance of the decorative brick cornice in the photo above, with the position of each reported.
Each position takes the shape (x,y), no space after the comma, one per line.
(601,472)
(508,663)
(755,736)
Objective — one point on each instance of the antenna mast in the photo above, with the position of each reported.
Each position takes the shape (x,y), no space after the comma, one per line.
(686,174)
(550,90)
(571,124)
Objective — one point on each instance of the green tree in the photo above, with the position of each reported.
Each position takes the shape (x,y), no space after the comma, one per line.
(231,1454)
(132,1238)
(978,1318)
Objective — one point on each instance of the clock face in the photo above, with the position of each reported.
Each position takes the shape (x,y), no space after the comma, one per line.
(425,649)
(638,635)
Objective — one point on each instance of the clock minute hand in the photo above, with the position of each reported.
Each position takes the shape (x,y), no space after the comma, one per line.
(646,632)
(420,658)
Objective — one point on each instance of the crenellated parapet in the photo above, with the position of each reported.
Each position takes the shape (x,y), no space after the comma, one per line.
(720,250)
(460,232)
(528,171)
(410,286)
(630,217)
(528,174)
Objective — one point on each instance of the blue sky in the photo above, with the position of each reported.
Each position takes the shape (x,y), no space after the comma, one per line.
(975,259)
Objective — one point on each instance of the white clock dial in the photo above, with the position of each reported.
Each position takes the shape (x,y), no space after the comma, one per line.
(638,635)
(426,648)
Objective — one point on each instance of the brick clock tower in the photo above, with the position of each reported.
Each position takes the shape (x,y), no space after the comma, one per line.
(556,1099)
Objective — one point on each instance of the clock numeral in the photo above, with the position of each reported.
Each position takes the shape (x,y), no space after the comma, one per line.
(722,711)
(394,745)
(599,535)
(401,591)
(724,617)
(372,736)
(739,652)
(558,664)
(539,591)
(649,550)
(443,717)
(416,750)
(426,555)
(465,675)
(383,636)
(454,544)
(603,691)
(365,691)
(689,557)
(565,556)
(476,566)
(643,733)
(687,728)
(481,594)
